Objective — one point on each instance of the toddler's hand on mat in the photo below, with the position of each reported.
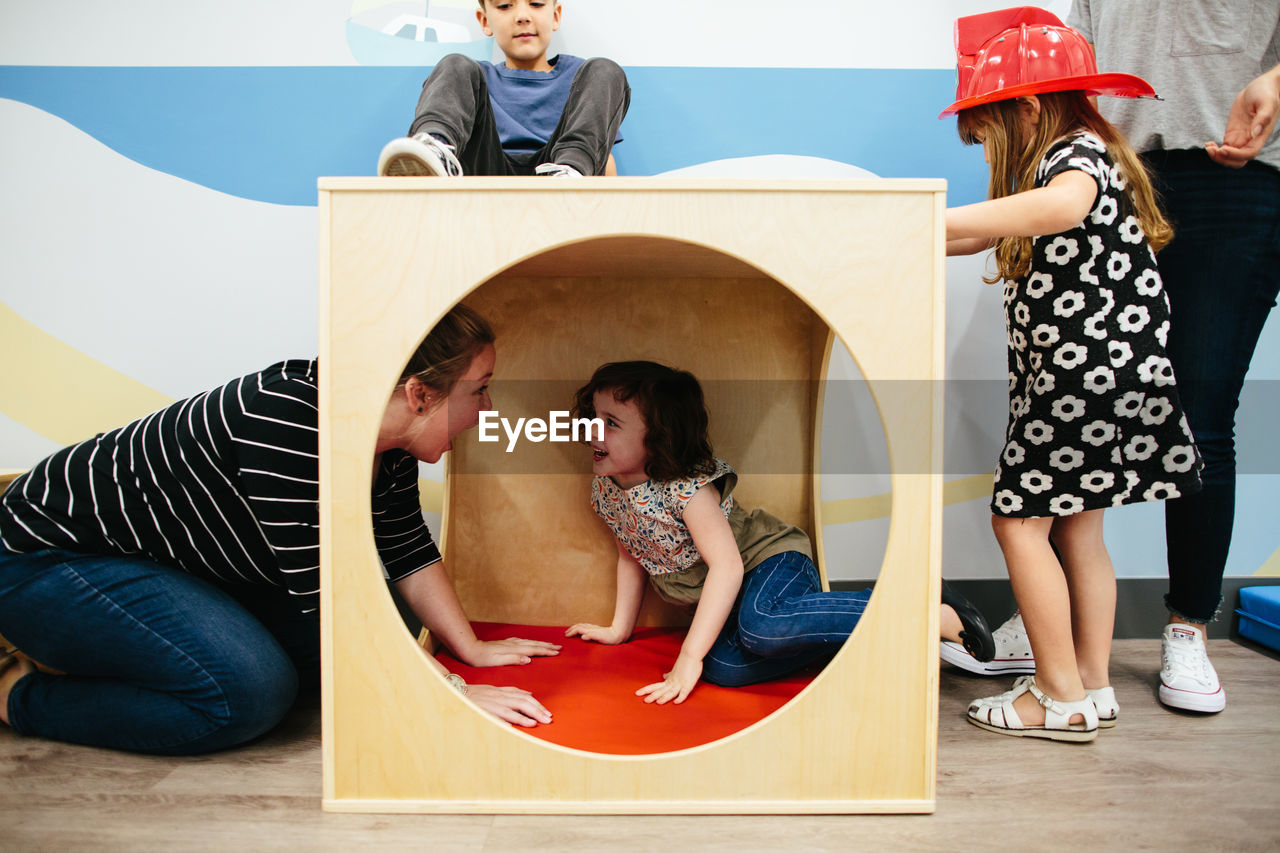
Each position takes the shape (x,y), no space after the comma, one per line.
(509,704)
(512,650)
(677,684)
(596,633)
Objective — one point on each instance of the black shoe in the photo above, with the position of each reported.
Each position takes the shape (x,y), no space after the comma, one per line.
(976,636)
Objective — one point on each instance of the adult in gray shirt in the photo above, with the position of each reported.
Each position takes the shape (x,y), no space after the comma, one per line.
(1216,63)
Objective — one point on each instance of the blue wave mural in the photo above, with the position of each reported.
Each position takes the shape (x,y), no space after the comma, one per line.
(267,133)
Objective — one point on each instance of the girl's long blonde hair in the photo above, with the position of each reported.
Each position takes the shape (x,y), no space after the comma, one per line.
(1014,160)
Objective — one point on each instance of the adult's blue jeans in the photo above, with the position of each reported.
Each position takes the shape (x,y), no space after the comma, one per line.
(156,660)
(781,622)
(1222,273)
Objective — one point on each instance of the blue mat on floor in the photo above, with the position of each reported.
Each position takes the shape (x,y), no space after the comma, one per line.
(1259,612)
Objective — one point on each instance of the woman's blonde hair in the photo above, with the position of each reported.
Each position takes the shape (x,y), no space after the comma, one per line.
(1014,160)
(448,349)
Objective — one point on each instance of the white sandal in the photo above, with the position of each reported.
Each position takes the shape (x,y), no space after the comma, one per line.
(1019,687)
(1104,701)
(996,714)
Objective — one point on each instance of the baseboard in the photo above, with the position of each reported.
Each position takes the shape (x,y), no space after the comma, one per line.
(1140,611)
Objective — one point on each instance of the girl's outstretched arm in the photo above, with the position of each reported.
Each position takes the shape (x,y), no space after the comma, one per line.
(713,536)
(969,245)
(1052,209)
(631,580)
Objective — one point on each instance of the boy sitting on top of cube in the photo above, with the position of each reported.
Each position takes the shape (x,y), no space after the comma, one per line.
(528,115)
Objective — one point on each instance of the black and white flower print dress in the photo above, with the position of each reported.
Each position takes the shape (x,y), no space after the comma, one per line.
(1094,416)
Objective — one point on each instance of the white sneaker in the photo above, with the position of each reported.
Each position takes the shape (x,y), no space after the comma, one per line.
(1187,679)
(1013,652)
(418,155)
(556,170)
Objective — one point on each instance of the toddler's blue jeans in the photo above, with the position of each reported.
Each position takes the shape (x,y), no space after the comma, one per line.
(1222,273)
(781,622)
(156,660)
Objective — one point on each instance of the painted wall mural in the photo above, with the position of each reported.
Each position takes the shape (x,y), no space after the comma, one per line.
(158,220)
(380,33)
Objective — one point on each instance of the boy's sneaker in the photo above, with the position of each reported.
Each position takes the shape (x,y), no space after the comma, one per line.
(1013,652)
(1187,679)
(419,155)
(557,170)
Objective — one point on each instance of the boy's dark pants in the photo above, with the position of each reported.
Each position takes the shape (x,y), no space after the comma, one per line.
(454,106)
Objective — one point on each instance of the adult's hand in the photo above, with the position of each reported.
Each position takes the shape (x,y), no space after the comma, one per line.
(509,704)
(508,652)
(1250,122)
(434,601)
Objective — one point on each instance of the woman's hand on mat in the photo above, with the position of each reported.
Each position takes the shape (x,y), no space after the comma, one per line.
(676,684)
(509,704)
(608,635)
(508,652)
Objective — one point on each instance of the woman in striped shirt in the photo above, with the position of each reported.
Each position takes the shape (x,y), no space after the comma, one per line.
(170,568)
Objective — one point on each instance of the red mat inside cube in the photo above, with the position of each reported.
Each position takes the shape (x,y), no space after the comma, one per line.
(590,691)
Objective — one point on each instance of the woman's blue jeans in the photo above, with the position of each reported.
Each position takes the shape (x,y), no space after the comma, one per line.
(1222,273)
(156,660)
(781,622)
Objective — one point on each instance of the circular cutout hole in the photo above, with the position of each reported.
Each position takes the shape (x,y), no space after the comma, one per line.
(522,544)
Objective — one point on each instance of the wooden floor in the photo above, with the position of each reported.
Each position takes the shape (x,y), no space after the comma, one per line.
(1160,780)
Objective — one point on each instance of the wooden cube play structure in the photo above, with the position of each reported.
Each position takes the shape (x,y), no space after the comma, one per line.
(743,283)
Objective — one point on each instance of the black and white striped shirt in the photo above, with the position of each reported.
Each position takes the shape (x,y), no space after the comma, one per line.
(223,485)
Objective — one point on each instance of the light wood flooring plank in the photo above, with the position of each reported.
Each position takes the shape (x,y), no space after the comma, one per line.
(1159,780)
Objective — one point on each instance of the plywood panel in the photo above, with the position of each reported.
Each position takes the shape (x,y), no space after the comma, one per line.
(864,257)
(511,507)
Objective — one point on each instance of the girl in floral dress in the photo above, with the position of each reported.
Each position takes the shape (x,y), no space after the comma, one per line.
(759,610)
(1094,417)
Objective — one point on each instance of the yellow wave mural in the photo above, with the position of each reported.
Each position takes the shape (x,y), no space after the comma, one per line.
(1271,568)
(59,392)
(847,510)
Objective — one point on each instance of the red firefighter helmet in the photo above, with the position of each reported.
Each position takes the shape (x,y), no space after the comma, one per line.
(1028,51)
